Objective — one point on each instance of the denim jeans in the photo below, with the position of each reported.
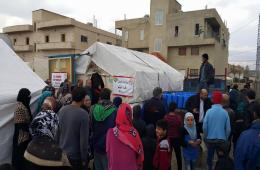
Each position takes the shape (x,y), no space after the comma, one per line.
(100,161)
(203,85)
(189,164)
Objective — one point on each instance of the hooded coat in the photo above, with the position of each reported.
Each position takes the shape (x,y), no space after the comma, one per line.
(103,117)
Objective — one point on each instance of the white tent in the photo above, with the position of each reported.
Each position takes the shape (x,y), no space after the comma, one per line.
(15,74)
(147,70)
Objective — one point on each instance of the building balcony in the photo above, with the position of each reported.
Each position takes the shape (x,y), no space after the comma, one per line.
(18,28)
(55,23)
(56,46)
(23,48)
(193,41)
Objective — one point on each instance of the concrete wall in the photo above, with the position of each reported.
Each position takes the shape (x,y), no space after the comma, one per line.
(55,34)
(189,61)
(159,31)
(133,27)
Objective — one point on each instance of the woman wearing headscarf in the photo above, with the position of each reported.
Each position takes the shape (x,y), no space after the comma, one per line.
(97,86)
(86,106)
(65,98)
(191,141)
(44,95)
(42,152)
(123,143)
(87,103)
(22,120)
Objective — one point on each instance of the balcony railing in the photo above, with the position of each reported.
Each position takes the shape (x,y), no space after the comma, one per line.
(56,46)
(23,48)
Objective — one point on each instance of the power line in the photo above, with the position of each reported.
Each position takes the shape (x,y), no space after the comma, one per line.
(244,53)
(244,26)
(241,60)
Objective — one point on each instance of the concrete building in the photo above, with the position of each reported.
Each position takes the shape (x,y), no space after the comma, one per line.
(54,34)
(181,37)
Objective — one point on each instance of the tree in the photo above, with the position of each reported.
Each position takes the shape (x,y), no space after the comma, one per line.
(240,70)
(233,70)
(246,72)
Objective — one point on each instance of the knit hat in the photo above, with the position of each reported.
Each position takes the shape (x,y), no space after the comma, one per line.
(216,97)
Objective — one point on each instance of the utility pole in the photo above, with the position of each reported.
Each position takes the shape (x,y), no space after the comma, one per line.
(258,61)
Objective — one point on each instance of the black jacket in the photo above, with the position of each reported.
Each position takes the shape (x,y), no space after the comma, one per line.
(149,145)
(209,73)
(139,125)
(153,111)
(194,102)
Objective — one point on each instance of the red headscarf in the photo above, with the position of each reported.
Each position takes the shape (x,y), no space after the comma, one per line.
(126,132)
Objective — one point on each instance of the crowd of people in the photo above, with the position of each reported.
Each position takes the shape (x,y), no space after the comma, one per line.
(80,128)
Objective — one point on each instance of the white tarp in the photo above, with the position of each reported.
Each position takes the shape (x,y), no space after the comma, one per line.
(147,70)
(14,75)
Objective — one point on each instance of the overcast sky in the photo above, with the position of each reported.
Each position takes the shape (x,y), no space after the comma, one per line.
(241,16)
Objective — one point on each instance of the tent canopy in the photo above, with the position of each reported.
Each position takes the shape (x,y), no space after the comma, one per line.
(147,70)
(15,74)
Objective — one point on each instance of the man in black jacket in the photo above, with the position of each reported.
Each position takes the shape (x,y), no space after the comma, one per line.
(207,73)
(199,105)
(154,109)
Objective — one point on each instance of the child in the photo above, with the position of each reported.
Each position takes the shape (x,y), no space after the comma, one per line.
(174,123)
(191,141)
(162,157)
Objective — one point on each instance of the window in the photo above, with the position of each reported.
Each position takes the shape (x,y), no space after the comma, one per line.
(194,72)
(159,17)
(158,44)
(63,38)
(27,40)
(34,26)
(126,35)
(109,43)
(46,38)
(176,33)
(142,35)
(197,29)
(195,51)
(182,51)
(14,41)
(35,49)
(84,38)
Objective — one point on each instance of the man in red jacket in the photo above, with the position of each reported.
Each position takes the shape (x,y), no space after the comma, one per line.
(174,125)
